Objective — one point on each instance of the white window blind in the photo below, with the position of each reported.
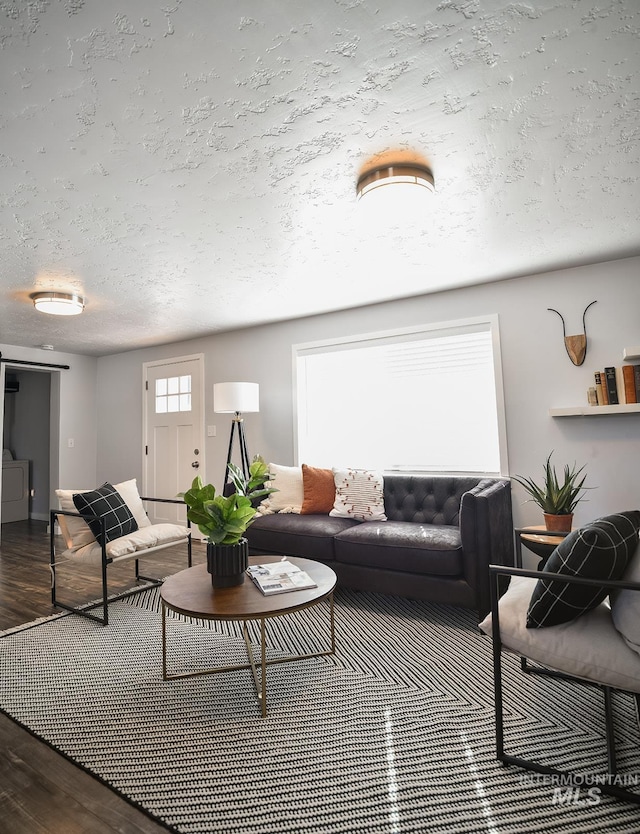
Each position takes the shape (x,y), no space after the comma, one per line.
(423,400)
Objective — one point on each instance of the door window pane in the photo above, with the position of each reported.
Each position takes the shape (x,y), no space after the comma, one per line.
(173,394)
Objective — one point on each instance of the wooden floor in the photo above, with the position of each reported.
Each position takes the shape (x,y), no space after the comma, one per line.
(40,791)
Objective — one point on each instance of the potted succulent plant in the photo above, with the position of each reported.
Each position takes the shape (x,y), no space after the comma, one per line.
(556,498)
(223,520)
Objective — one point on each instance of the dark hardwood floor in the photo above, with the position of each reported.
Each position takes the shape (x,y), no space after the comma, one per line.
(40,791)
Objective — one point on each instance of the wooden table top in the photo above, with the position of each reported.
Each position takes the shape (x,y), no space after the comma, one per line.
(549,540)
(190,592)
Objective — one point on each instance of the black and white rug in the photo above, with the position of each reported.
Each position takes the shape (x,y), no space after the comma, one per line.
(395,734)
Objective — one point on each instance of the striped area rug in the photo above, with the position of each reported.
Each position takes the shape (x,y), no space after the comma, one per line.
(394,734)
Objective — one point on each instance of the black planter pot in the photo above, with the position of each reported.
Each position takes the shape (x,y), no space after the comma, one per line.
(227,563)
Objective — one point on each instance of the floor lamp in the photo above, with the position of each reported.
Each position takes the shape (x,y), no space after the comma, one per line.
(236,398)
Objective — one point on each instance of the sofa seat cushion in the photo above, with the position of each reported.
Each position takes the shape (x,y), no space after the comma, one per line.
(427,549)
(310,536)
(156,535)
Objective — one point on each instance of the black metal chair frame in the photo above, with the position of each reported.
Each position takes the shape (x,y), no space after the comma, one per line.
(150,581)
(497,571)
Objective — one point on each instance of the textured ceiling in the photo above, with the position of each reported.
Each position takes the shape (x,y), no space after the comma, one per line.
(191,168)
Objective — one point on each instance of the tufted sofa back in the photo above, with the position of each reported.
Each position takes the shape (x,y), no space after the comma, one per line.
(427,499)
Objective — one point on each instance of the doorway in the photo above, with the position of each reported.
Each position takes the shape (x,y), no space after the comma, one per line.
(173,432)
(29,458)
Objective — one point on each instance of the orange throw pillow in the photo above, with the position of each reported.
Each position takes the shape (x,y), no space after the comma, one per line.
(319,490)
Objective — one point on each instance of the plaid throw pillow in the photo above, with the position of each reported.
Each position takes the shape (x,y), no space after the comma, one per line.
(105,502)
(601,550)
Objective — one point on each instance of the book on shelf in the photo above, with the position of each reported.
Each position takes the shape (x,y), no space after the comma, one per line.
(636,373)
(592,396)
(612,387)
(620,384)
(280,577)
(629,381)
(600,388)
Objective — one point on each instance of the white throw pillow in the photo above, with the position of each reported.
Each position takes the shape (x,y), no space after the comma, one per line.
(359,495)
(76,531)
(290,495)
(131,497)
(625,606)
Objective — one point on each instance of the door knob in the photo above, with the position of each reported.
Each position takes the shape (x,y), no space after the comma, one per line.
(196,464)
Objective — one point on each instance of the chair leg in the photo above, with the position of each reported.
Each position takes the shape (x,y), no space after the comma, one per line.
(608,718)
(52,556)
(105,591)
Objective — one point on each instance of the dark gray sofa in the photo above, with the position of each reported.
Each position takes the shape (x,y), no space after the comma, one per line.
(441,534)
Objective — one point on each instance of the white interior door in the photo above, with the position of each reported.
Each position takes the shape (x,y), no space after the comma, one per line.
(174,432)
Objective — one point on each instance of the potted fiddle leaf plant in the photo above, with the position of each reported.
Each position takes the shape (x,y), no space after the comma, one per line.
(556,496)
(223,520)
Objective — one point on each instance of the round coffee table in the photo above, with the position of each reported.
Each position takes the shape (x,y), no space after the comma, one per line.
(190,593)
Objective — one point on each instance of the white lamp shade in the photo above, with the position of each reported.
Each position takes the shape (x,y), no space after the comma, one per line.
(229,397)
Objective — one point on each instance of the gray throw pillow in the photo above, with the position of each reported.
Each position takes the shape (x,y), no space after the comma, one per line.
(600,550)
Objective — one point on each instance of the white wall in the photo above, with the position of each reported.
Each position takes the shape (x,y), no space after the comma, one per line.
(537,374)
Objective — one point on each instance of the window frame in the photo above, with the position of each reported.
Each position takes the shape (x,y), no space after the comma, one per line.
(489,322)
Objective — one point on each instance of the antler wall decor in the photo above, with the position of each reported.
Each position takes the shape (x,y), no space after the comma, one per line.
(576,345)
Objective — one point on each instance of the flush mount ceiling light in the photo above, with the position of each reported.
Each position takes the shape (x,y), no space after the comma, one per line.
(58,303)
(402,174)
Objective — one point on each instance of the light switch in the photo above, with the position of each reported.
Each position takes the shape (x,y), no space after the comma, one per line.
(211,431)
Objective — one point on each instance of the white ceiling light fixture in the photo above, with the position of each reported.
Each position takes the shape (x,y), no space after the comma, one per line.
(405,175)
(58,303)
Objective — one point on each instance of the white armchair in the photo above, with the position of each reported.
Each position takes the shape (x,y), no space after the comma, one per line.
(105,527)
(598,647)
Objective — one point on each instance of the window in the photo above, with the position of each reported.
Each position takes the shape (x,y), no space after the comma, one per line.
(419,399)
(173,394)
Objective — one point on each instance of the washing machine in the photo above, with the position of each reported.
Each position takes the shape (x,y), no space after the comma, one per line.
(15,489)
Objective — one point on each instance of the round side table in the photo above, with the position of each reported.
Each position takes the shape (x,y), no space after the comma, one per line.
(541,545)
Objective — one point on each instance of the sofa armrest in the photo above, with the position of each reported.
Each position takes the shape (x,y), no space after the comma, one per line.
(486,533)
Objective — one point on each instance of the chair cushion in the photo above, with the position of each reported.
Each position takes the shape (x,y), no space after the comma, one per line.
(588,647)
(625,606)
(156,535)
(600,550)
(319,490)
(427,549)
(105,504)
(359,495)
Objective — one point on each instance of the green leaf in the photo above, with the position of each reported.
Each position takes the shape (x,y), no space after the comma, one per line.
(552,496)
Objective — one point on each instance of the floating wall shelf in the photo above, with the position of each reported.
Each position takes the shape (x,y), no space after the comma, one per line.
(595,410)
(631,353)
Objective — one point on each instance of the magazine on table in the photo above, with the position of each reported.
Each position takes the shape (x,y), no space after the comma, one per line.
(280,577)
